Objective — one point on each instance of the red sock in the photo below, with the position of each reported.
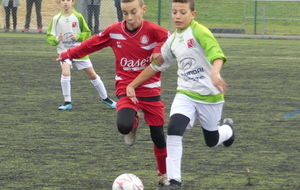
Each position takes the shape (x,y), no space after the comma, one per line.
(160,155)
(136,121)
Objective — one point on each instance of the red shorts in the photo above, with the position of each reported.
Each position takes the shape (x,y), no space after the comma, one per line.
(154,112)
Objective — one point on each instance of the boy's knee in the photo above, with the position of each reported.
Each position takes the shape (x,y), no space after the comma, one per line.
(125,120)
(124,128)
(178,124)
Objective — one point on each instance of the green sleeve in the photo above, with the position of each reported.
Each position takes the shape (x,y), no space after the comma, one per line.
(50,37)
(85,30)
(208,42)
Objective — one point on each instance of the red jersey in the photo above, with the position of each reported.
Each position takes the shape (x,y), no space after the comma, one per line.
(132,52)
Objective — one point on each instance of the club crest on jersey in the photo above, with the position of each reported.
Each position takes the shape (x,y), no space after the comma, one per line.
(144,39)
(74,24)
(190,43)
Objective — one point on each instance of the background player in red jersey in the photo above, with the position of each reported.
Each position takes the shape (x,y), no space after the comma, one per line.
(133,41)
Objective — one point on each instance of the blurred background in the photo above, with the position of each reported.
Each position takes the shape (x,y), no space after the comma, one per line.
(253,17)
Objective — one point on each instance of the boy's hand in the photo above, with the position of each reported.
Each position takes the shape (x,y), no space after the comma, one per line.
(219,83)
(157,58)
(59,58)
(74,37)
(60,37)
(131,94)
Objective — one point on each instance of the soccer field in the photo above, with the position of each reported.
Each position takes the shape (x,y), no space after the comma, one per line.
(44,148)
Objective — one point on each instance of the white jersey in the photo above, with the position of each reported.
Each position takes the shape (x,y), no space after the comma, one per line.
(194,49)
(67,25)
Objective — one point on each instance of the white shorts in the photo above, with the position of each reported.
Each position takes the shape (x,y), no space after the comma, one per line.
(209,114)
(80,63)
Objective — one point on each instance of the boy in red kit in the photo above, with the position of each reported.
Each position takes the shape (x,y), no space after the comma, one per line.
(133,41)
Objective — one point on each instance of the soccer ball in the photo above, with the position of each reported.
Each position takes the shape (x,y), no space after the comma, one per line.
(127,181)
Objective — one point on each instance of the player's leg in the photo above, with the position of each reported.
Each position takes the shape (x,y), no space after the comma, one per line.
(210,117)
(176,128)
(183,115)
(160,152)
(95,79)
(153,110)
(127,119)
(66,84)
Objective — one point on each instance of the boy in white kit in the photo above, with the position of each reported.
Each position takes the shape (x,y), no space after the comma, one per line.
(67,30)
(200,90)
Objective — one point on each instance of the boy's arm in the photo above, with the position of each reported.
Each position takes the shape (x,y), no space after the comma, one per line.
(85,30)
(217,80)
(51,38)
(210,45)
(146,74)
(87,47)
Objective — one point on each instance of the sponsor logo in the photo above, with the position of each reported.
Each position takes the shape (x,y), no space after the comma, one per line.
(194,72)
(68,35)
(187,63)
(69,42)
(74,24)
(188,74)
(197,79)
(134,65)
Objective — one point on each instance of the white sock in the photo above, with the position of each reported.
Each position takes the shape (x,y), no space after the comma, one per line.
(174,151)
(66,87)
(98,84)
(225,132)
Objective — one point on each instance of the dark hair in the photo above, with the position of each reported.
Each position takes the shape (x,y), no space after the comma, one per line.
(128,1)
(191,2)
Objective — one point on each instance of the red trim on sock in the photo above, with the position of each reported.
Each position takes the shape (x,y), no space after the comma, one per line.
(160,155)
(136,122)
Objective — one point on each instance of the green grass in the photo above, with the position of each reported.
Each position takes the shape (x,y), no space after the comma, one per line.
(44,148)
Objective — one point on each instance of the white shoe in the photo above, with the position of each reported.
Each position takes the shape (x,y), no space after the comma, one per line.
(130,138)
(163,180)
